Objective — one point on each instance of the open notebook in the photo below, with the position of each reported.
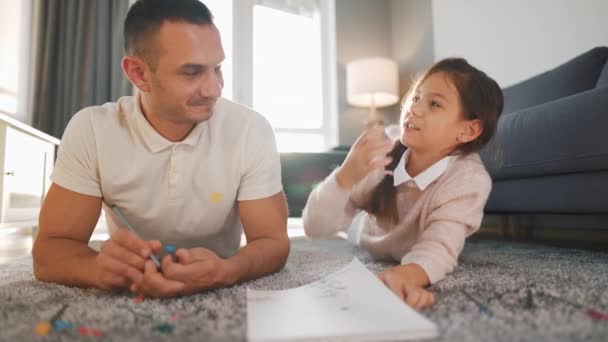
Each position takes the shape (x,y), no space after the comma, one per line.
(351,303)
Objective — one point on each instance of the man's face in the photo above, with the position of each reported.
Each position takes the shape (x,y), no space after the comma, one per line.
(187,80)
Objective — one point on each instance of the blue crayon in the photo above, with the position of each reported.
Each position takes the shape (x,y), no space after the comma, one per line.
(170,249)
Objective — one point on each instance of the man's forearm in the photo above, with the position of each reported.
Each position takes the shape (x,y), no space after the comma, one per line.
(257,259)
(65,261)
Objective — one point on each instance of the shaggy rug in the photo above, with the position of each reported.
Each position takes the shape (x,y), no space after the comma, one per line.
(501,291)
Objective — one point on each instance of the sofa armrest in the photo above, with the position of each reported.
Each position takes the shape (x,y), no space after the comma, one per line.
(572,77)
(568,135)
(301,172)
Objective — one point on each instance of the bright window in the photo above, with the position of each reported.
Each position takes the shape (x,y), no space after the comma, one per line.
(222,17)
(287,81)
(281,62)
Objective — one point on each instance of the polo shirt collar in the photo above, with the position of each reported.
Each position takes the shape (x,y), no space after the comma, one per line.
(425,178)
(153,140)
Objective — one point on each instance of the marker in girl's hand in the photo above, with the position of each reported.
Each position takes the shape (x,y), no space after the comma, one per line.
(392,132)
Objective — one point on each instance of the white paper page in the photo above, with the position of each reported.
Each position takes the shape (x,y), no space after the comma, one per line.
(351,303)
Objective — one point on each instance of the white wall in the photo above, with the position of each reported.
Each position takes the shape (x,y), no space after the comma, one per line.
(514,40)
(412,38)
(363,29)
(397,29)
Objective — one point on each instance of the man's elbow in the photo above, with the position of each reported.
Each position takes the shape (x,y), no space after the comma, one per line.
(40,273)
(41,270)
(283,248)
(43,263)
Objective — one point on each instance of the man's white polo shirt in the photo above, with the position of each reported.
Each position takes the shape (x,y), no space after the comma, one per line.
(182,193)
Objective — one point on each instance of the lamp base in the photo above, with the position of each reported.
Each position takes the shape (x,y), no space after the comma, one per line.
(373,123)
(373,118)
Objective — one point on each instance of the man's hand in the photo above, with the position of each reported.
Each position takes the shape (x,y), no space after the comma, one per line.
(405,281)
(200,268)
(122,258)
(155,284)
(195,270)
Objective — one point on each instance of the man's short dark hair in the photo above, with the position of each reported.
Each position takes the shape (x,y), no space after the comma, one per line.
(145,18)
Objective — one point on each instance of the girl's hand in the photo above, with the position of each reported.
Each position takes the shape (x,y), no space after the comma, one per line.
(368,153)
(402,281)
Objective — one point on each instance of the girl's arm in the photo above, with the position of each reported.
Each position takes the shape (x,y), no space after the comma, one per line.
(328,209)
(458,214)
(458,210)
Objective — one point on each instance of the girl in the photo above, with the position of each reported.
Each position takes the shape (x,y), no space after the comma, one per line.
(424,194)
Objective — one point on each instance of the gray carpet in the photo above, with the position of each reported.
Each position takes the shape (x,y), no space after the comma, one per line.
(501,291)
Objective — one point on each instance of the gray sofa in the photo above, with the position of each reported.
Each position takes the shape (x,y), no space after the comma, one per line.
(550,155)
(301,172)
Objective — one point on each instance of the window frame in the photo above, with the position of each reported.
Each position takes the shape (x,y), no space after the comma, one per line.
(242,62)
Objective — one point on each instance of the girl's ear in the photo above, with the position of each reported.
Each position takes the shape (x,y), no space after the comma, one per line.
(472,130)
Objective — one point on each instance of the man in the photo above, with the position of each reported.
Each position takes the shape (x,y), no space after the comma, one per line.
(183,165)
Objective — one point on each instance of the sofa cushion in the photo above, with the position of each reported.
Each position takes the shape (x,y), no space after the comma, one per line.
(301,172)
(575,76)
(563,136)
(576,193)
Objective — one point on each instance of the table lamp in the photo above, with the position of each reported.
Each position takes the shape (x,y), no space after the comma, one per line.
(373,83)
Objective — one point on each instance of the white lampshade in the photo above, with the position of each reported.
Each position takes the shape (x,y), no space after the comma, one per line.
(372,82)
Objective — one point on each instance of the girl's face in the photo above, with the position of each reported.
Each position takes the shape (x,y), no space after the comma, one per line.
(432,120)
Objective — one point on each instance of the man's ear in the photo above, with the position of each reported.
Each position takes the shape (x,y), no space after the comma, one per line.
(471,131)
(137,71)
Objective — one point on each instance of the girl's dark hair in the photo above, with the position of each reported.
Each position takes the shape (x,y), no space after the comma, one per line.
(481,99)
